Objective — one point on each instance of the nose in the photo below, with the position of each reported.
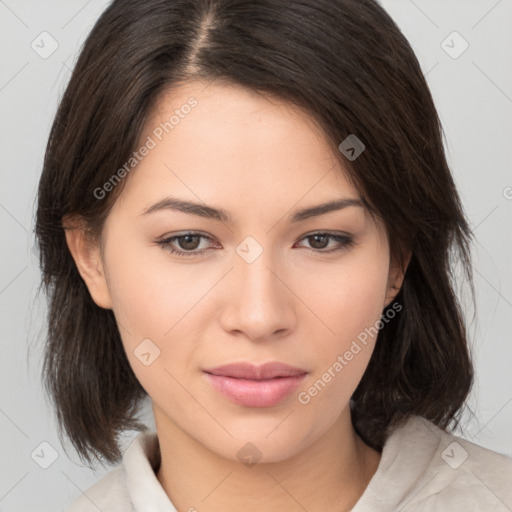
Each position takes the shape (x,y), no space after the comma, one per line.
(258,302)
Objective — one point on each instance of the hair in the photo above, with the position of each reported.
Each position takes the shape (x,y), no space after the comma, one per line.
(348,65)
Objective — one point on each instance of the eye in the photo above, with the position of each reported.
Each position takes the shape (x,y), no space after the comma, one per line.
(189,243)
(319,241)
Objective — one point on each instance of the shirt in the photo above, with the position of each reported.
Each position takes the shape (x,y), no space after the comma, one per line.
(422,469)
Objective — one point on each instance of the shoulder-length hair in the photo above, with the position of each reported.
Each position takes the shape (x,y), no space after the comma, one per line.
(350,67)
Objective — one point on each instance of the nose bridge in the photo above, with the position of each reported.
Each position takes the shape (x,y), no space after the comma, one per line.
(260,303)
(255,270)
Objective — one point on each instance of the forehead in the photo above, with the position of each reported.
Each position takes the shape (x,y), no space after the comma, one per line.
(236,119)
(226,145)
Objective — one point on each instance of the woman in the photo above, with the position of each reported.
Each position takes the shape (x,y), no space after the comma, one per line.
(246,214)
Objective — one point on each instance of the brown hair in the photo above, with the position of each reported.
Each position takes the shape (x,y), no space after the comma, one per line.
(349,66)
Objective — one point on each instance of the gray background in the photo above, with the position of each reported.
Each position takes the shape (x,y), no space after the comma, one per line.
(473,94)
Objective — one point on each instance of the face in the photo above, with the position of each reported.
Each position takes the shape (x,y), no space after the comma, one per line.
(256,284)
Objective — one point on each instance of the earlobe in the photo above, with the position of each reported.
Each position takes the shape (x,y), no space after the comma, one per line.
(87,256)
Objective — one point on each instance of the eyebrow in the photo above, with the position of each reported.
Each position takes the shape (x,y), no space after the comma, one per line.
(209,212)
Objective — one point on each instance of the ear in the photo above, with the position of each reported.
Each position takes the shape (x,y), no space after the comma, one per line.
(87,255)
(395,278)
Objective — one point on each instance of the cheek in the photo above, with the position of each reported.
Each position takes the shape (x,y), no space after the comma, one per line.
(349,302)
(155,301)
(150,307)
(348,299)
(145,301)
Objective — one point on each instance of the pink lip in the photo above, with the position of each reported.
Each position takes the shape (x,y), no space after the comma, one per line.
(255,386)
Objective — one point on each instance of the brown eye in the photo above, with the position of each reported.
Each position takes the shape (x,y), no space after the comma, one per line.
(184,245)
(188,242)
(319,242)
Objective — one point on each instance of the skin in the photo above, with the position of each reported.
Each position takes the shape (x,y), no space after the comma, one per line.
(260,160)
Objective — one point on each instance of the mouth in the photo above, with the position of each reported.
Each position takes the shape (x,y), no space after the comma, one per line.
(255,386)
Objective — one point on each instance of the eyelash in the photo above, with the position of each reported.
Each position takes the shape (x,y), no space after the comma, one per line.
(346,242)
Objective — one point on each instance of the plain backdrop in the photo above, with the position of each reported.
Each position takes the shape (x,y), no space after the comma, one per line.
(472,88)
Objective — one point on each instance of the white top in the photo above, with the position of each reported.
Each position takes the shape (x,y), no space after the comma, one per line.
(421,468)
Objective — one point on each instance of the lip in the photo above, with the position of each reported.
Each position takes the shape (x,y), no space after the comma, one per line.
(255,386)
(256,372)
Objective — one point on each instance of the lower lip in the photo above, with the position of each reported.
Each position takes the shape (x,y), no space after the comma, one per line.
(255,393)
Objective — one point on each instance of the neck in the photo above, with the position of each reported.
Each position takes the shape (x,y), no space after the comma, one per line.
(329,476)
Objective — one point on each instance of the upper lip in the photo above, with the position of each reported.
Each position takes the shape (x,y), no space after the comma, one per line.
(255,372)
